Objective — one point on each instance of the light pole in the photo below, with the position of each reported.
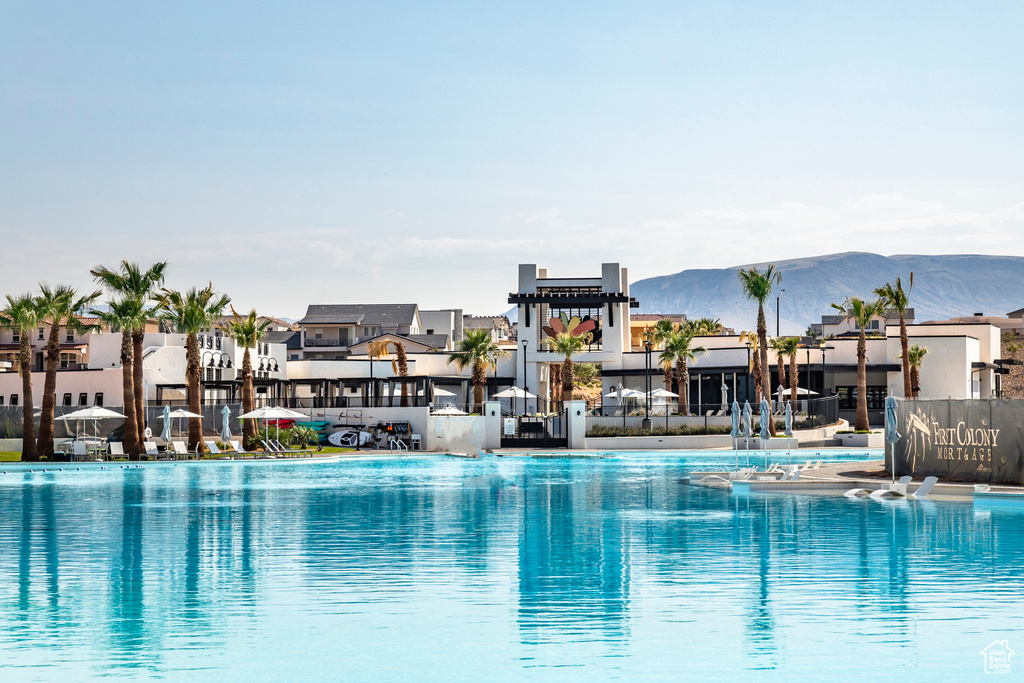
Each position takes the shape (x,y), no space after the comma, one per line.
(777,299)
(647,385)
(747,392)
(525,389)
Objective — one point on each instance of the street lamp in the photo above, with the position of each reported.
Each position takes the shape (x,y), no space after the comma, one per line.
(647,385)
(749,344)
(525,389)
(777,298)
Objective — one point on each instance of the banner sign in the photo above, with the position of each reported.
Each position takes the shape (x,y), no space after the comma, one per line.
(971,440)
(510,426)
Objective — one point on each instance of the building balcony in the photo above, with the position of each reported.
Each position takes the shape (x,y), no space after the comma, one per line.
(325,343)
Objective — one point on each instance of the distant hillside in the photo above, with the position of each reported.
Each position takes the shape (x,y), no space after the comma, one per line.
(944,286)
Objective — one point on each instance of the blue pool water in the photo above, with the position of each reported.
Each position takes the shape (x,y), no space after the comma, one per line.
(444,569)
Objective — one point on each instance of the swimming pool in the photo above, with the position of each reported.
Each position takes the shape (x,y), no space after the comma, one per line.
(431,568)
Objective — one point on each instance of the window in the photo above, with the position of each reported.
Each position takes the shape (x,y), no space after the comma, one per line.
(318,333)
(430,330)
(1,400)
(848,398)
(293,356)
(66,360)
(70,337)
(14,399)
(17,336)
(41,337)
(99,399)
(67,399)
(83,399)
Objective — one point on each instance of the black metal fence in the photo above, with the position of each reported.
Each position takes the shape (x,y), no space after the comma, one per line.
(807,413)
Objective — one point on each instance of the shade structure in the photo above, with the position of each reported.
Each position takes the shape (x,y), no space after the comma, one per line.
(663,393)
(91,413)
(789,420)
(625,393)
(514,392)
(766,416)
(183,413)
(165,433)
(800,391)
(449,410)
(271,413)
(225,430)
(438,391)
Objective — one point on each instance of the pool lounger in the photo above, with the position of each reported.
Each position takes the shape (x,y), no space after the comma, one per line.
(922,491)
(853,493)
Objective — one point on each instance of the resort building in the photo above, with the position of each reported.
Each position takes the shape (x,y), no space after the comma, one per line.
(498,326)
(327,331)
(641,323)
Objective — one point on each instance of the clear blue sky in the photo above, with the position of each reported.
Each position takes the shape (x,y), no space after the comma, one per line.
(314,152)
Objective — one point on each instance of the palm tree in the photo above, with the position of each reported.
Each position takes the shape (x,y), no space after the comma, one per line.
(131,282)
(478,351)
(190,312)
(662,331)
(59,306)
(787,347)
(124,314)
(568,345)
(916,356)
(247,332)
(555,380)
(777,345)
(708,327)
(861,312)
(22,316)
(680,352)
(748,337)
(757,286)
(898,299)
(399,364)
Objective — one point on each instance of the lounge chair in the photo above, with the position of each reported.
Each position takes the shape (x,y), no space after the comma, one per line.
(791,474)
(212,446)
(151,448)
(268,448)
(924,489)
(179,448)
(236,446)
(773,468)
(79,450)
(116,449)
(853,493)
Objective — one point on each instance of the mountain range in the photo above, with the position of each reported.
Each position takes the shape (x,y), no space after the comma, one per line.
(944,286)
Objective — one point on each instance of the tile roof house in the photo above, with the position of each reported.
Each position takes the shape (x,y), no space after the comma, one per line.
(328,330)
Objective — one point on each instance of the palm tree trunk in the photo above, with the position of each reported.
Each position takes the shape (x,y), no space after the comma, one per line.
(915,381)
(193,377)
(131,425)
(248,400)
(762,340)
(45,441)
(780,368)
(862,384)
(683,380)
(793,379)
(908,384)
(757,378)
(29,453)
(140,397)
(567,382)
(667,378)
(479,379)
(403,371)
(555,380)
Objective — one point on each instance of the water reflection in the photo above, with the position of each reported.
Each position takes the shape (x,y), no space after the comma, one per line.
(171,568)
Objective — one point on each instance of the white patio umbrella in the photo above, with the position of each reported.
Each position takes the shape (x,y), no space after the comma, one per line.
(449,410)
(178,414)
(624,393)
(661,393)
(800,391)
(438,391)
(515,393)
(93,413)
(271,413)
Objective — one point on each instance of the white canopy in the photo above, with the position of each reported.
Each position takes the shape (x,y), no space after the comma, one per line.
(664,393)
(92,413)
(272,413)
(799,392)
(438,391)
(182,413)
(449,410)
(626,393)
(514,392)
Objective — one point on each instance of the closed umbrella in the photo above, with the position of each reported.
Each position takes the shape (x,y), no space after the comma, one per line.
(225,432)
(735,433)
(789,420)
(891,433)
(766,417)
(747,427)
(725,397)
(165,433)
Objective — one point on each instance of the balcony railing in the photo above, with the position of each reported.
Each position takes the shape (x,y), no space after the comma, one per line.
(335,343)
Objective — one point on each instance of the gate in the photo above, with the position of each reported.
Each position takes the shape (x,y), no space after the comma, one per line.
(534,431)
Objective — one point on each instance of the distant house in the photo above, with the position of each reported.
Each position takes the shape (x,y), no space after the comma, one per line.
(328,330)
(841,325)
(498,325)
(414,343)
(447,321)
